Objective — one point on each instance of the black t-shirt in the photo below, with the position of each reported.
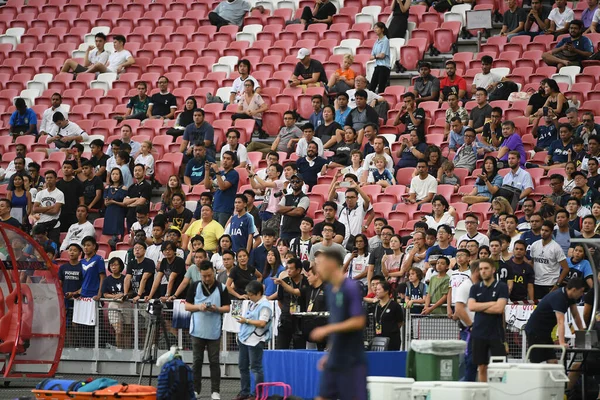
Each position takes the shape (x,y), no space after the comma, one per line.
(315,296)
(179,219)
(89,191)
(487,133)
(112,285)
(523,275)
(488,326)
(12,221)
(177,267)
(479,115)
(241,278)
(162,103)
(325,11)
(376,256)
(142,189)
(98,163)
(287,299)
(419,114)
(326,132)
(72,190)
(536,101)
(389,318)
(342,153)
(503,272)
(71,277)
(191,293)
(340,229)
(313,67)
(543,319)
(137,270)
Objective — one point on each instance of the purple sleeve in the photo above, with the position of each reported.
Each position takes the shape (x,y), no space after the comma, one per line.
(354,298)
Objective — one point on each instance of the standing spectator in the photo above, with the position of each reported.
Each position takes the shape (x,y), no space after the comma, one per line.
(140,273)
(210,230)
(399,22)
(255,332)
(549,263)
(99,159)
(126,133)
(229,12)
(513,20)
(47,125)
(466,318)
(237,89)
(517,177)
(241,275)
(241,225)
(5,214)
(524,276)
(286,138)
(138,194)
(93,55)
(288,296)
(71,275)
(272,186)
(437,293)
(328,231)
(482,111)
(560,18)
(570,50)
(452,83)
(48,203)
(388,316)
(356,262)
(376,256)
(427,86)
(227,180)
(207,300)
(534,233)
(322,13)
(114,196)
(423,186)
(118,61)
(512,142)
(172,268)
(550,312)
(353,215)
(163,103)
(471,223)
(118,314)
(443,248)
(258,256)
(20,200)
(381,55)
(487,299)
(73,192)
(308,72)
(344,366)
(79,230)
(92,188)
(137,107)
(293,208)
(342,79)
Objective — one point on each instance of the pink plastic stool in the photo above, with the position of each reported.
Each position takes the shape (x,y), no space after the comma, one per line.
(262,389)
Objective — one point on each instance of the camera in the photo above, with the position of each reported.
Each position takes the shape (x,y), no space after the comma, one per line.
(208,305)
(279,194)
(154,307)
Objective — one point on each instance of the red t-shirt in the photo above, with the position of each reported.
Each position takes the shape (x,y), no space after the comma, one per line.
(458,81)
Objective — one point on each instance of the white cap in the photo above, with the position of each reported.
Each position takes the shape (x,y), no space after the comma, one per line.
(302,53)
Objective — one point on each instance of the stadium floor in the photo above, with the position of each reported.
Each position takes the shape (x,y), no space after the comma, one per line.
(229,387)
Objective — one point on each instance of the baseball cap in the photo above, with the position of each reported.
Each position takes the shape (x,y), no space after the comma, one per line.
(302,53)
(297,175)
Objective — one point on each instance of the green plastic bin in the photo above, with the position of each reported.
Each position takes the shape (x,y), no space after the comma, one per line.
(434,360)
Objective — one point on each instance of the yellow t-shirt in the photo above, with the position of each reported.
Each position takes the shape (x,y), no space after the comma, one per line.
(211,233)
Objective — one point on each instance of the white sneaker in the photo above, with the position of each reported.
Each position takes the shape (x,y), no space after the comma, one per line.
(215,396)
(197,395)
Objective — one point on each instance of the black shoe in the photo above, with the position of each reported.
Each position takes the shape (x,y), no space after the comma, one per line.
(263,135)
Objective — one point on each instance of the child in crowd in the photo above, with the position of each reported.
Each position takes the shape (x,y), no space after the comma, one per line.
(146,158)
(448,175)
(380,175)
(438,288)
(578,153)
(197,244)
(416,290)
(113,288)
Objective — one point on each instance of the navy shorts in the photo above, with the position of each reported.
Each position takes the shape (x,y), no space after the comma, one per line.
(345,384)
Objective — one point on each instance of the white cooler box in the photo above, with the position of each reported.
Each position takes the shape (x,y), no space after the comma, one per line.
(525,381)
(450,391)
(389,388)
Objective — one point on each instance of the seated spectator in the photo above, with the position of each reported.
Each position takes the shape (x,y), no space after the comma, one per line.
(513,20)
(467,154)
(308,131)
(272,158)
(427,86)
(570,50)
(573,118)
(146,159)
(330,132)
(588,127)
(517,177)
(589,193)
(342,79)
(341,108)
(411,150)
(545,134)
(371,131)
(381,55)
(6,215)
(362,114)
(251,105)
(578,152)
(308,72)
(536,101)
(560,149)
(179,216)
(411,116)
(487,184)
(343,150)
(379,147)
(237,88)
(93,55)
(288,135)
(311,164)
(322,13)
(137,107)
(443,213)
(126,133)
(457,133)
(492,130)
(512,142)
(200,131)
(380,175)
(163,103)
(485,79)
(211,231)
(423,186)
(471,223)
(68,133)
(593,151)
(452,83)
(117,61)
(234,145)
(173,186)
(593,176)
(360,83)
(23,121)
(434,158)
(356,166)
(537,22)
(454,110)
(122,159)
(594,25)
(481,112)
(21,153)
(560,18)
(185,118)
(229,12)
(47,125)
(316,118)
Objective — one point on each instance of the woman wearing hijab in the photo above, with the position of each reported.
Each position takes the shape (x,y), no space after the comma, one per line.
(184,118)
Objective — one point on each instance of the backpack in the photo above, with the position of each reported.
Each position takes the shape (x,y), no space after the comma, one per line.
(503,91)
(175,381)
(382,109)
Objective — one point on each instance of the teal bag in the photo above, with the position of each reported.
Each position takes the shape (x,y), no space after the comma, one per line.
(98,384)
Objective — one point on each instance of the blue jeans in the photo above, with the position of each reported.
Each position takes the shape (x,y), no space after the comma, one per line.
(250,358)
(222,218)
(469,368)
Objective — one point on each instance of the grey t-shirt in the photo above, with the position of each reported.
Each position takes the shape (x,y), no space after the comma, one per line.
(287,134)
(376,256)
(479,115)
(512,19)
(426,88)
(319,246)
